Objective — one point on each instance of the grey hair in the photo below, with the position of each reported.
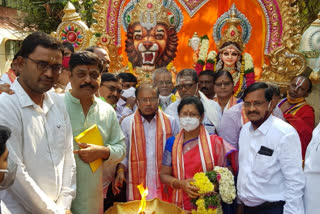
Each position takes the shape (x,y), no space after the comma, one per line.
(188,72)
(162,70)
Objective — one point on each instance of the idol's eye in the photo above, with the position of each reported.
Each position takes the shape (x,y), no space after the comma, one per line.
(138,37)
(159,36)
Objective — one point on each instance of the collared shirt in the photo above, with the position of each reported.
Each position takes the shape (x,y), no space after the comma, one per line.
(172,110)
(270,178)
(232,122)
(150,136)
(122,110)
(41,145)
(89,197)
(312,173)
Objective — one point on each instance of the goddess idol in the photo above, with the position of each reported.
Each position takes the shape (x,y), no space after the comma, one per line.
(230,41)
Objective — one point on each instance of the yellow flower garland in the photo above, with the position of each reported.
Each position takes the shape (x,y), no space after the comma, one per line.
(241,78)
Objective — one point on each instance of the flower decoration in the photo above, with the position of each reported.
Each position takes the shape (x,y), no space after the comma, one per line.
(203,51)
(211,60)
(209,200)
(72,35)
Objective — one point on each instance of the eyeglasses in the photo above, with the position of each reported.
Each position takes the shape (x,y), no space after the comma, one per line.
(221,84)
(187,114)
(232,54)
(44,66)
(113,89)
(254,103)
(164,83)
(186,86)
(148,99)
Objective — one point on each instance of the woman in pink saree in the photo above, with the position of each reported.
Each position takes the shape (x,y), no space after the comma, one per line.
(192,150)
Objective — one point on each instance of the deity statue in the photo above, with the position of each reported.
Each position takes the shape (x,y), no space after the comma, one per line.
(152,41)
(310,47)
(230,43)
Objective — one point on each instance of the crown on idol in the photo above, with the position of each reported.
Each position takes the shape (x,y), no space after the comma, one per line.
(151,12)
(234,20)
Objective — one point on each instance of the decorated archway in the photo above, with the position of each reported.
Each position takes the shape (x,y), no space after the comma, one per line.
(273,44)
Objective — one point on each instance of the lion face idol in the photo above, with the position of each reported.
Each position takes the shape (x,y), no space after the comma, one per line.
(150,44)
(151,49)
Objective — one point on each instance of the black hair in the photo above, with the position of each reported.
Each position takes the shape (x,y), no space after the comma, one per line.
(309,81)
(221,73)
(69,46)
(225,45)
(268,92)
(144,86)
(275,89)
(85,58)
(207,72)
(127,77)
(188,72)
(16,55)
(108,77)
(191,100)
(31,42)
(5,133)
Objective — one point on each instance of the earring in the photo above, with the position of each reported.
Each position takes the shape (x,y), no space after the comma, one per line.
(219,65)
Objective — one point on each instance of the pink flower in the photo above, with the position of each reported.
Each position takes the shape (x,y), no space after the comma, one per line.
(209,66)
(218,177)
(198,68)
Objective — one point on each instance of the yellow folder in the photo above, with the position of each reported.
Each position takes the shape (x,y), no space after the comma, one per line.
(91,136)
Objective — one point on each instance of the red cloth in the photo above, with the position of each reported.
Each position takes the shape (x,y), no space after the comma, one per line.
(221,150)
(303,121)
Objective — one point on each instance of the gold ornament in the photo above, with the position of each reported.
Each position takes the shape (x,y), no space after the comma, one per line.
(150,12)
(286,61)
(232,33)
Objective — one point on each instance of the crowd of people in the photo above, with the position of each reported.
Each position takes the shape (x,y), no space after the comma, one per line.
(157,134)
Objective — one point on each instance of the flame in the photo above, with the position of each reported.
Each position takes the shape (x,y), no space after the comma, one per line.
(143,193)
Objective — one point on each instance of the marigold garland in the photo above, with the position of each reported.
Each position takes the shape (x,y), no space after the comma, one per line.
(240,78)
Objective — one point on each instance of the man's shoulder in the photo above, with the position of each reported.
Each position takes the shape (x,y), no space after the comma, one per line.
(103,105)
(126,120)
(173,107)
(281,126)
(9,101)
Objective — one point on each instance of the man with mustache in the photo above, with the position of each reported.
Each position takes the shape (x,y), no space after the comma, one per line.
(270,179)
(297,112)
(41,140)
(206,85)
(85,110)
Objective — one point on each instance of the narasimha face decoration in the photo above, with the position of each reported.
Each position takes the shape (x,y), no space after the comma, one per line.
(151,49)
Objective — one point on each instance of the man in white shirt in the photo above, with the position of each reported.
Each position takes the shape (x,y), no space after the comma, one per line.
(146,131)
(162,79)
(41,140)
(270,179)
(312,173)
(187,85)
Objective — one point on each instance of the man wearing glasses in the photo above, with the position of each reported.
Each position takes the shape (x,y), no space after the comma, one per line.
(187,85)
(110,90)
(270,179)
(41,141)
(86,110)
(162,79)
(146,132)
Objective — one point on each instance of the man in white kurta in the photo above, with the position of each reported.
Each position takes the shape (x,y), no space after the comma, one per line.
(312,174)
(149,114)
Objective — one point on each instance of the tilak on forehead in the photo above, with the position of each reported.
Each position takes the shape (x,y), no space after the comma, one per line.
(299,82)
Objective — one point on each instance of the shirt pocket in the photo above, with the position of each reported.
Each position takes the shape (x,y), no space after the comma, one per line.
(263,166)
(60,136)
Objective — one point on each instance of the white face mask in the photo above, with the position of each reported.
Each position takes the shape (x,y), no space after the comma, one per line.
(130,92)
(189,123)
(9,176)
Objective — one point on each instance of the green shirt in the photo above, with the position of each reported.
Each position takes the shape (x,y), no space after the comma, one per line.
(89,198)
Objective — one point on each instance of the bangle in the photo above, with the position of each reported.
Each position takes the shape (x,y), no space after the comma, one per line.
(172,182)
(119,170)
